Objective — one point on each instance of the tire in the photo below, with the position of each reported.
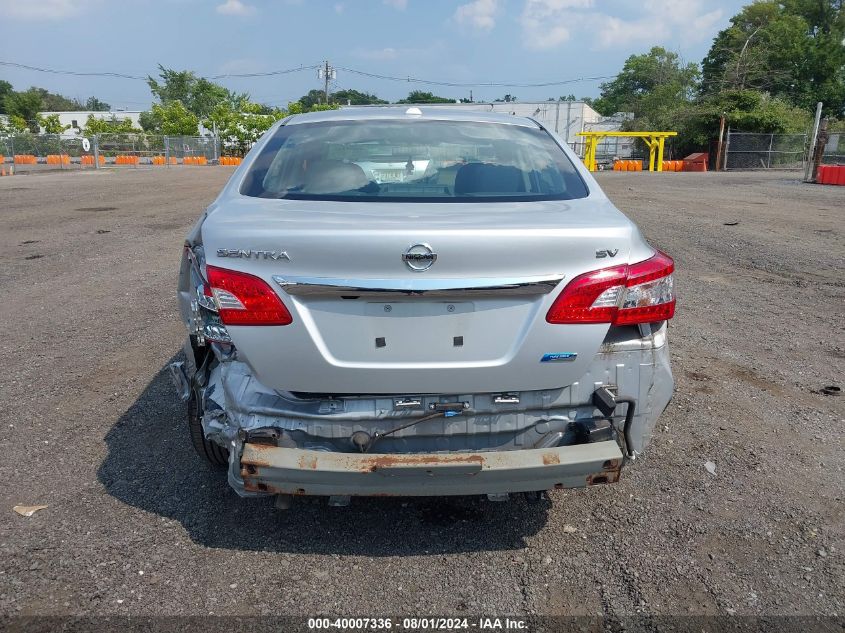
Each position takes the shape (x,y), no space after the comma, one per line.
(211,452)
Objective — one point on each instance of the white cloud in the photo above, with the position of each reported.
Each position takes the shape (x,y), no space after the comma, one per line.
(339,8)
(241,66)
(547,24)
(433,50)
(235,7)
(42,9)
(377,54)
(479,15)
(397,4)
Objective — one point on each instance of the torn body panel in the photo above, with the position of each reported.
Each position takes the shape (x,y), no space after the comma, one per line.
(286,443)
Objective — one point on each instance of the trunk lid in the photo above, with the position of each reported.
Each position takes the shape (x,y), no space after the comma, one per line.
(365,322)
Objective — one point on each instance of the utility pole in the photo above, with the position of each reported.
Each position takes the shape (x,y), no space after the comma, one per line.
(721,140)
(818,153)
(808,167)
(326,72)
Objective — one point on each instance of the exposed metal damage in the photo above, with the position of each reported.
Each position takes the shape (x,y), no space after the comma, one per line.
(282,443)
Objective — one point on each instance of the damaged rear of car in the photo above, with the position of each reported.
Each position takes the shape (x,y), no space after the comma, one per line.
(413,302)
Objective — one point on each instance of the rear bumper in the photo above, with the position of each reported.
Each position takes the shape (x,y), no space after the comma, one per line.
(274,470)
(283,443)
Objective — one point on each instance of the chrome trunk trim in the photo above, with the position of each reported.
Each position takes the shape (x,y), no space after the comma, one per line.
(428,287)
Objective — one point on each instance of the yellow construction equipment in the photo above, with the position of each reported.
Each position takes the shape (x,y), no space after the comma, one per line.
(654,140)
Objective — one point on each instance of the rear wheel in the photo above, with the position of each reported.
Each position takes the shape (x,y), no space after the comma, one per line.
(211,452)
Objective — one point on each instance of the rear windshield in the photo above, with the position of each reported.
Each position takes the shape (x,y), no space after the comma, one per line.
(423,161)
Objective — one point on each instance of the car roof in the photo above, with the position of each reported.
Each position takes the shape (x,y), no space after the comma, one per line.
(411,112)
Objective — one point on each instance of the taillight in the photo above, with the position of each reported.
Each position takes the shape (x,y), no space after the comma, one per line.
(621,295)
(244,299)
(649,295)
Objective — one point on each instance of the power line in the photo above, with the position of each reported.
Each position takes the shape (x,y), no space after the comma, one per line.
(54,71)
(406,79)
(269,73)
(71,72)
(455,84)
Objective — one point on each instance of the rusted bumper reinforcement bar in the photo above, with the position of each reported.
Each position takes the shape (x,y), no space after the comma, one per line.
(275,470)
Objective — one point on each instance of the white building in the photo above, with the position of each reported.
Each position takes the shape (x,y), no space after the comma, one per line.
(77,119)
(566,118)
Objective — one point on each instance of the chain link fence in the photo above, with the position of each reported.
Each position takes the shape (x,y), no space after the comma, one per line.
(834,150)
(193,147)
(611,149)
(35,152)
(745,150)
(40,151)
(128,149)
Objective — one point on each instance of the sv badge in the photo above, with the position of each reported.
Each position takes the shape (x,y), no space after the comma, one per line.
(606,252)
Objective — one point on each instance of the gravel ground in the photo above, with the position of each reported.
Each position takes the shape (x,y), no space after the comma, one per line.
(137,524)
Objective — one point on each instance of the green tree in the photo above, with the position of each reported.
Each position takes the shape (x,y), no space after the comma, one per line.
(26,106)
(418,96)
(5,91)
(197,94)
(111,125)
(296,107)
(652,81)
(93,103)
(13,125)
(792,49)
(508,98)
(149,123)
(312,98)
(51,102)
(170,119)
(697,122)
(355,97)
(51,124)
(239,128)
(315,97)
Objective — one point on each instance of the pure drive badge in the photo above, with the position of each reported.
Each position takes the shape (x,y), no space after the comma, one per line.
(559,357)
